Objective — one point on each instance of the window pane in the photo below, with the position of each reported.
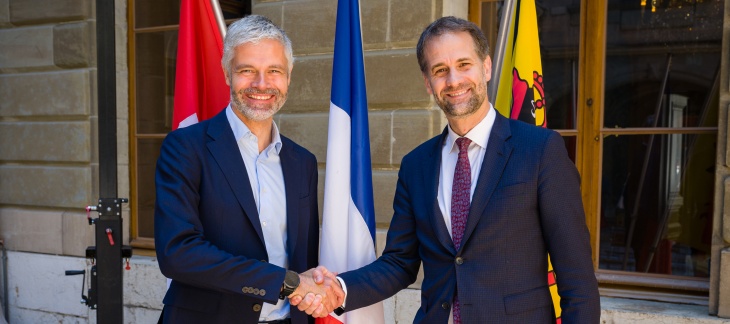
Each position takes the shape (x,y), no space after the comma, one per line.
(234,9)
(571,146)
(640,39)
(152,13)
(155,81)
(148,150)
(657,199)
(559,30)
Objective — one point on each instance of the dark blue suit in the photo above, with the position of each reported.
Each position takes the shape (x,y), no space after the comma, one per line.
(208,235)
(526,203)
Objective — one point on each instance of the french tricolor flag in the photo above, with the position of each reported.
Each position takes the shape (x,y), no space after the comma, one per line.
(348,220)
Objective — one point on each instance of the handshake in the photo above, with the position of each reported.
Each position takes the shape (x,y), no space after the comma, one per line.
(319,292)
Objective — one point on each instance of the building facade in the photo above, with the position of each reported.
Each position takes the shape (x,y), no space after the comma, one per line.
(638,89)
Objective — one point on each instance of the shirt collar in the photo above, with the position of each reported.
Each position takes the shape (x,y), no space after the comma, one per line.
(240,129)
(478,135)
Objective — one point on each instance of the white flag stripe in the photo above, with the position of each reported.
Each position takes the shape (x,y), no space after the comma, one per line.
(340,252)
(336,186)
(192,119)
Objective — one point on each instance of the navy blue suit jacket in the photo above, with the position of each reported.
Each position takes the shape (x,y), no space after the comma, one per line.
(526,203)
(207,231)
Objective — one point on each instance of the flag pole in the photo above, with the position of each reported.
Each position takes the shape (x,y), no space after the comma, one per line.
(219,17)
(504,26)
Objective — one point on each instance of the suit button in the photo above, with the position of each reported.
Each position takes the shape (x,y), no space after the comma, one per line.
(262,292)
(459,260)
(256,307)
(445,305)
(255,291)
(244,290)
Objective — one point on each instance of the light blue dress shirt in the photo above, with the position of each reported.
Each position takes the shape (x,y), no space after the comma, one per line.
(267,185)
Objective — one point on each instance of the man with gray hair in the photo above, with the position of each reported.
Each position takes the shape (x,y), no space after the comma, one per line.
(236,215)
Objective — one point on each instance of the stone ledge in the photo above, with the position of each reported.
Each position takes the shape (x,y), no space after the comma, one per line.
(622,310)
(403,306)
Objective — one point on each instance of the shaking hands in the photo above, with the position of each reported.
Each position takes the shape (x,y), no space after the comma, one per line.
(319,292)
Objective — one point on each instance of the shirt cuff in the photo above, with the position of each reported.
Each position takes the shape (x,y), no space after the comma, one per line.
(340,310)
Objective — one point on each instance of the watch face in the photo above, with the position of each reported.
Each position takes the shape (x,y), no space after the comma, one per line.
(291,280)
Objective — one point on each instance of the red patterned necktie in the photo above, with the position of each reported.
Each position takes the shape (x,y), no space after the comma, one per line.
(460,194)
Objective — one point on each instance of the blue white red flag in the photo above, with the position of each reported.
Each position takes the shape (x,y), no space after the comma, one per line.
(348,220)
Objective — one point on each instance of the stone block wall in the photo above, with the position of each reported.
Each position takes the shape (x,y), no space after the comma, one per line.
(720,267)
(49,149)
(46,165)
(48,122)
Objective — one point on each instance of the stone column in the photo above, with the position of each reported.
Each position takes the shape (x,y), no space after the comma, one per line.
(720,267)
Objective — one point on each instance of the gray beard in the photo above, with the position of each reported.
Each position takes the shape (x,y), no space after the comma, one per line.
(257,114)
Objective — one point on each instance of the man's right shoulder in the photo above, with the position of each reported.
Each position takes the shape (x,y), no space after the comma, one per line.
(192,131)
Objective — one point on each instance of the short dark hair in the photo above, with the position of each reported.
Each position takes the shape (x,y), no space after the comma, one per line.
(451,24)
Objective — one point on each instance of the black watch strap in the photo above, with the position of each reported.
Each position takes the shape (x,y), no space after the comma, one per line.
(291,283)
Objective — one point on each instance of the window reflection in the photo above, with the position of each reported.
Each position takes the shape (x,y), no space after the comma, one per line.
(155,13)
(155,81)
(662,65)
(672,48)
(559,32)
(149,151)
(657,195)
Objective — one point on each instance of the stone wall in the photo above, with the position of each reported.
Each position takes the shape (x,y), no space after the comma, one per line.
(720,268)
(49,149)
(45,123)
(48,121)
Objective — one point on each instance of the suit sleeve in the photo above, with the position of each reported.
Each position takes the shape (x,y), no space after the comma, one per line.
(566,235)
(183,252)
(313,229)
(398,266)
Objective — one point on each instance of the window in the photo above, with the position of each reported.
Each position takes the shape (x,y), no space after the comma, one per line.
(659,131)
(643,133)
(153,49)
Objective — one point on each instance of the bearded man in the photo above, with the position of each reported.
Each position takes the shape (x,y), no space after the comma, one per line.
(481,206)
(236,215)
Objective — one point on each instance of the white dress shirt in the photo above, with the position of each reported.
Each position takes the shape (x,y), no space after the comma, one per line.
(267,185)
(479,136)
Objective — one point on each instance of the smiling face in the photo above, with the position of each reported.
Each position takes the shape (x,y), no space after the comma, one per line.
(259,79)
(456,76)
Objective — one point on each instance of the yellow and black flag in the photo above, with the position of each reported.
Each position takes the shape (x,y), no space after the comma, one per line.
(521,94)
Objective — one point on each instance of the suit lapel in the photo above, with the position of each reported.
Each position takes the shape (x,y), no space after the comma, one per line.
(432,170)
(495,159)
(224,149)
(289,167)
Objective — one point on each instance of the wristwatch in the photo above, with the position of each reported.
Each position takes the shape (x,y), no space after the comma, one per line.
(291,282)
